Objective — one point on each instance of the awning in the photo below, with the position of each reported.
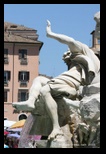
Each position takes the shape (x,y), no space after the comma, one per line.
(8,123)
(18,124)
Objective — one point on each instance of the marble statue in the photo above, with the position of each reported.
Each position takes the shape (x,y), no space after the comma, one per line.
(97,28)
(49,99)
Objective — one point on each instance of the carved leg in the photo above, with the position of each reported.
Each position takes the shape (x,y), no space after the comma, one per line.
(92,135)
(51,107)
(34,92)
(81,135)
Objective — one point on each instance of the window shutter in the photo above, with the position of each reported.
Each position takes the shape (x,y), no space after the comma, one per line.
(5,53)
(27,76)
(21,76)
(4,75)
(9,75)
(25,54)
(20,54)
(5,96)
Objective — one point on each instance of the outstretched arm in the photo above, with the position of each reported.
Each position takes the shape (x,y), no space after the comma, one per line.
(73,44)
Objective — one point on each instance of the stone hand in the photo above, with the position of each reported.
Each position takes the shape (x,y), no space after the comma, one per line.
(48,28)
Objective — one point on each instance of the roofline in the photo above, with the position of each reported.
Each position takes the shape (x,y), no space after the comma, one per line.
(41,43)
(24,42)
(92,32)
(6,23)
(10,29)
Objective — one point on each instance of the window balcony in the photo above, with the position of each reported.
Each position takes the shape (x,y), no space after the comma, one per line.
(24,61)
(5,83)
(6,60)
(23,83)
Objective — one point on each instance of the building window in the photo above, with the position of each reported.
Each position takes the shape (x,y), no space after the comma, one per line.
(6,61)
(23,78)
(6,77)
(23,56)
(98,41)
(22,95)
(5,52)
(22,116)
(5,96)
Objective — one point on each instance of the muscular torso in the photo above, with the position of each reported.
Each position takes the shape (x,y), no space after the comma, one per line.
(72,76)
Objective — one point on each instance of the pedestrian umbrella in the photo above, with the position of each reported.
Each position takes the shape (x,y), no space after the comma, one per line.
(13,135)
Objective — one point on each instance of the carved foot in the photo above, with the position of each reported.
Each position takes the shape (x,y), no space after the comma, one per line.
(56,132)
(24,106)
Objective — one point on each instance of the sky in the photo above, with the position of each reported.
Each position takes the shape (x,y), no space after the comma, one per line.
(74,20)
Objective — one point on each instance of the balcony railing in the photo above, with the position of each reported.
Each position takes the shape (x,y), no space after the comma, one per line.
(24,61)
(23,83)
(6,60)
(5,83)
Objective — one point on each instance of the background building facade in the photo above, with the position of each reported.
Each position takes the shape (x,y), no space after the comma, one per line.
(95,44)
(21,60)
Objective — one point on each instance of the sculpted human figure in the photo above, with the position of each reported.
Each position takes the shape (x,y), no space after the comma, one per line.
(68,82)
(83,68)
(97,28)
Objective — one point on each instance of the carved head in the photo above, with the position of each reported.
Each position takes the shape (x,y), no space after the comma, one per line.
(66,57)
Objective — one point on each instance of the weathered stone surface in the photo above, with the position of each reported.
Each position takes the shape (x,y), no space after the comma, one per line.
(61,142)
(58,142)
